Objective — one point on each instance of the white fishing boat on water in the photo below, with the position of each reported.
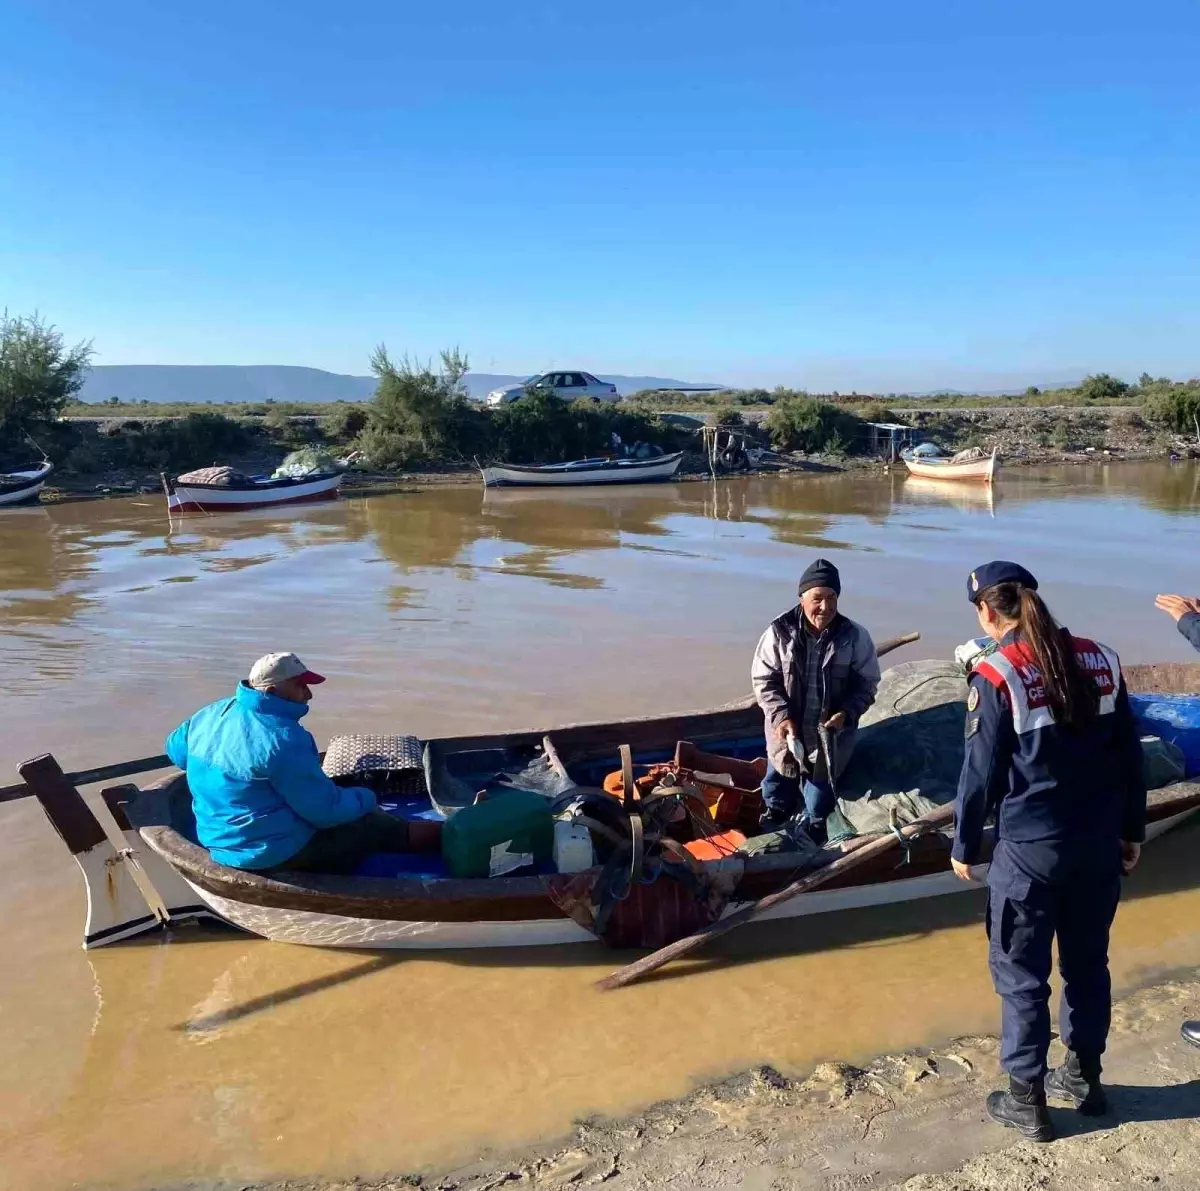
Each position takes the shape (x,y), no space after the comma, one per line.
(905,762)
(256,492)
(975,465)
(600,470)
(305,475)
(19,486)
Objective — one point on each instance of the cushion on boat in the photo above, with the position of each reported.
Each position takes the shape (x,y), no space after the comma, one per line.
(387,764)
(221,477)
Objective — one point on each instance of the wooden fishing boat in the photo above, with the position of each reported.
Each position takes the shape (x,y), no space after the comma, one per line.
(979,470)
(188,496)
(160,876)
(19,486)
(584,471)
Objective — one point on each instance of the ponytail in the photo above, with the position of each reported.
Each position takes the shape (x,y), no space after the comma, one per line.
(1072,696)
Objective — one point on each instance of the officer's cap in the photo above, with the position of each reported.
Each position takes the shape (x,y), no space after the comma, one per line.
(991,573)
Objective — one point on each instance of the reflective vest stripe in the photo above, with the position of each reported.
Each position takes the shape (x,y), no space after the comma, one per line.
(1011,670)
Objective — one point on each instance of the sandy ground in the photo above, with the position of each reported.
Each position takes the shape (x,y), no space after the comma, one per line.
(913,1122)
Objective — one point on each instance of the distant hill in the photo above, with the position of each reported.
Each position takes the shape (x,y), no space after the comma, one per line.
(197,383)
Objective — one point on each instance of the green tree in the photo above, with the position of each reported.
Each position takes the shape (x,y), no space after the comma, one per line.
(417,412)
(1102,387)
(39,374)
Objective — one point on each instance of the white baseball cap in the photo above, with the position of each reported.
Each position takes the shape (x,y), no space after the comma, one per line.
(275,668)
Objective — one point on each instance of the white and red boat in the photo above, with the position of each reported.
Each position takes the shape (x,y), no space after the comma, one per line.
(189,495)
(966,465)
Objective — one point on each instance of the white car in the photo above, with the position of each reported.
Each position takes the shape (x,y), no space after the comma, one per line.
(570,386)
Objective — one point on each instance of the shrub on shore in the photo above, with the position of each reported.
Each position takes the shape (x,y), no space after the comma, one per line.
(343,424)
(1176,406)
(805,424)
(419,413)
(537,428)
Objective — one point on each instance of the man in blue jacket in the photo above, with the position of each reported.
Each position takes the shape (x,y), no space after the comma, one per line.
(260,797)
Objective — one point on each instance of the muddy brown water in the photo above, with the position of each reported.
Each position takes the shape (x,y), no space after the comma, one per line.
(219,1055)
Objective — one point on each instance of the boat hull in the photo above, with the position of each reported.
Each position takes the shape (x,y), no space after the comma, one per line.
(312,929)
(208,498)
(980,471)
(21,493)
(611,471)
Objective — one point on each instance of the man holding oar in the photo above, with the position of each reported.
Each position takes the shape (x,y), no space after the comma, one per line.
(815,673)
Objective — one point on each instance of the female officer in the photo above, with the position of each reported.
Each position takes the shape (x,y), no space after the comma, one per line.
(1053,751)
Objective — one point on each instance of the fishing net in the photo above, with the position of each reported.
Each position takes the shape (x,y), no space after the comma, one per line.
(307,461)
(909,752)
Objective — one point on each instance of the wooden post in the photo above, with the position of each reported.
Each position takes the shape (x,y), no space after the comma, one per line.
(116,908)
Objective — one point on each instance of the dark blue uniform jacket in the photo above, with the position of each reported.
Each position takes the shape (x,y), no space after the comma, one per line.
(1074,793)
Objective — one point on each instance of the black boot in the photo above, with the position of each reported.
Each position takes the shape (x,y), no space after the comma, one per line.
(1191,1032)
(1078,1080)
(1023,1108)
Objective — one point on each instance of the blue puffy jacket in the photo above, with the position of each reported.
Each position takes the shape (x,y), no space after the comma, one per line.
(255,775)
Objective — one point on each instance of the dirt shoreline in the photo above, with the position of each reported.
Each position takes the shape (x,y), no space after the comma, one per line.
(1022,435)
(912,1121)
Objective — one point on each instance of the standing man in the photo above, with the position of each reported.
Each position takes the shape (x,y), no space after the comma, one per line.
(815,672)
(1053,752)
(1185,611)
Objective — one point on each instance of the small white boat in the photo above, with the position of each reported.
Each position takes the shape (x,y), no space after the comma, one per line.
(978,467)
(18,486)
(584,471)
(256,492)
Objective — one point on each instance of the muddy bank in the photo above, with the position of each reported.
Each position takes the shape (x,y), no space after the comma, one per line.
(1023,434)
(913,1121)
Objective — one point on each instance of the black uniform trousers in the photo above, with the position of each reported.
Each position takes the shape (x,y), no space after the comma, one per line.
(1037,893)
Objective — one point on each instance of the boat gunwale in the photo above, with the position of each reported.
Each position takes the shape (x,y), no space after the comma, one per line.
(414,898)
(266,485)
(577,467)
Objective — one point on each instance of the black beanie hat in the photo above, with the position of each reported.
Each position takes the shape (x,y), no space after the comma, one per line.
(821,573)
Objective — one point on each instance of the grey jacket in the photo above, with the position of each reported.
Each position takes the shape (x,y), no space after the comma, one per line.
(851,678)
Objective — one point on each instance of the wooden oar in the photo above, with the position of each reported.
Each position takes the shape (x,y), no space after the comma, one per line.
(843,864)
(895,643)
(87,777)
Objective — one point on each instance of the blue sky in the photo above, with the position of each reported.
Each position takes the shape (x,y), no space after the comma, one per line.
(830,193)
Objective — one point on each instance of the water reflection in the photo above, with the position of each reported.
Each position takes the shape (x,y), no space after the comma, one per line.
(966,498)
(58,562)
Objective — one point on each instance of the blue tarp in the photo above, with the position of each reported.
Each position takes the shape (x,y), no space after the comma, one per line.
(1175,718)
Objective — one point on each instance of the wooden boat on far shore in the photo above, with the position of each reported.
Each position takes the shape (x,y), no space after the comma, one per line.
(978,468)
(26,484)
(424,908)
(185,495)
(601,470)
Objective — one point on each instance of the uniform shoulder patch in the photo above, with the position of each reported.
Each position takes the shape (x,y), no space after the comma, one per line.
(973,699)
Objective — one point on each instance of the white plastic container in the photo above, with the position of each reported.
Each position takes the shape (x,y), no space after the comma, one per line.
(572,847)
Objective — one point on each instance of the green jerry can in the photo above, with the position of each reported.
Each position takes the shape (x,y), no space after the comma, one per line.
(494,837)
